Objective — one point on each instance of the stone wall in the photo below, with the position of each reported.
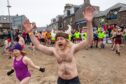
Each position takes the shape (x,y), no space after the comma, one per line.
(121,19)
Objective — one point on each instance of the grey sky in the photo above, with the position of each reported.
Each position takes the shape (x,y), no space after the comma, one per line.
(42,11)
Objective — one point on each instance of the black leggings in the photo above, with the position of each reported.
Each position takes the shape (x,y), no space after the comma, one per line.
(71,81)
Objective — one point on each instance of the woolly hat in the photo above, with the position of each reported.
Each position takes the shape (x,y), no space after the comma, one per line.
(16,46)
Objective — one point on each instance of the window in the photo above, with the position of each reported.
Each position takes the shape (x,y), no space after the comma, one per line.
(68,12)
(113,14)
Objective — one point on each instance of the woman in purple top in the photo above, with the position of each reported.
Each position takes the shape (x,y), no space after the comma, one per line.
(20,66)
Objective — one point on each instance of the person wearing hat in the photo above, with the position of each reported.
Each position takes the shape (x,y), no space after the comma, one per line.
(64,51)
(20,65)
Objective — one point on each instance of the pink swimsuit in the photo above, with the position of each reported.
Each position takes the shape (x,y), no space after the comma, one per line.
(21,69)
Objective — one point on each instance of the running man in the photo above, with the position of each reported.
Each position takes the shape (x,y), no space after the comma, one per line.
(21,41)
(64,51)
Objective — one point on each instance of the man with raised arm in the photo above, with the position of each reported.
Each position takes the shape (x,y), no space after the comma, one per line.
(64,51)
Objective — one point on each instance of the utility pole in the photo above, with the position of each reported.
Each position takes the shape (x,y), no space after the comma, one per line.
(10,24)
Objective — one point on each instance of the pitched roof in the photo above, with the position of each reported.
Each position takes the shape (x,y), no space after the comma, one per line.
(40,29)
(122,7)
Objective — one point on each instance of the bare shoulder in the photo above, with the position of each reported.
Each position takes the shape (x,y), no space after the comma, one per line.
(26,59)
(79,46)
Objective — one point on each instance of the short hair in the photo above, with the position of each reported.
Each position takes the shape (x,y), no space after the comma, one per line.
(61,34)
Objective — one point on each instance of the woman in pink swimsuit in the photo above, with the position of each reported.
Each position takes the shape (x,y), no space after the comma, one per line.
(20,65)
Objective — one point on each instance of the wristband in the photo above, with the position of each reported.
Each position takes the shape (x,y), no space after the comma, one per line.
(30,33)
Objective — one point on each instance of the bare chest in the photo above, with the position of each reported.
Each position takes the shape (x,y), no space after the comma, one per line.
(64,56)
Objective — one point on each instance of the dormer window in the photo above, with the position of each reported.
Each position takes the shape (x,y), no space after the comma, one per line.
(113,14)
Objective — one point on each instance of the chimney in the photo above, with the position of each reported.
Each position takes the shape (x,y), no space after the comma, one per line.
(87,2)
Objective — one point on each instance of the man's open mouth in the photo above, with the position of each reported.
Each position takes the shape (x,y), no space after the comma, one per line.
(60,45)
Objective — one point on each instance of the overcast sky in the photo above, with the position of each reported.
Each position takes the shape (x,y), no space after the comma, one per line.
(42,11)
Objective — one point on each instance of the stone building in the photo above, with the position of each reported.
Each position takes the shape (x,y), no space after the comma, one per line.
(68,18)
(4,22)
(52,25)
(14,22)
(73,15)
(79,18)
(113,15)
(69,15)
(56,23)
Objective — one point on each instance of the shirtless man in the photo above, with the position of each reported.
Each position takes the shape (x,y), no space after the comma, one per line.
(64,51)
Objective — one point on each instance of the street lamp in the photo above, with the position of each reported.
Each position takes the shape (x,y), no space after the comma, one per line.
(10,25)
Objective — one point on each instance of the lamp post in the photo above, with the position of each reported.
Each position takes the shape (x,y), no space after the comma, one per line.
(10,25)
